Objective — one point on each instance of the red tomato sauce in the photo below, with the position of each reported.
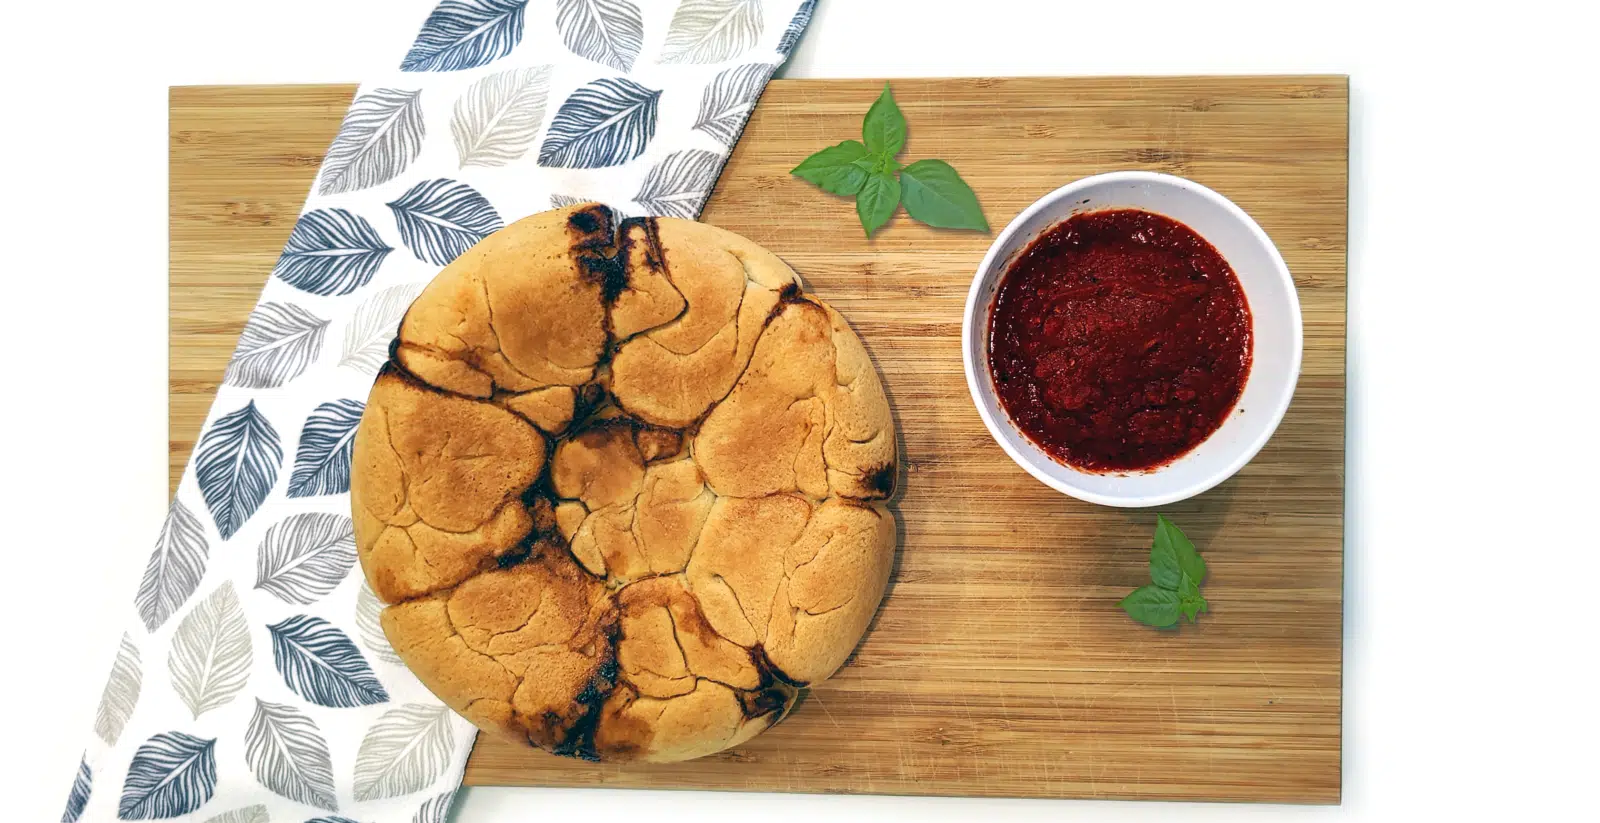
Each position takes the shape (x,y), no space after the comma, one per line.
(1119,340)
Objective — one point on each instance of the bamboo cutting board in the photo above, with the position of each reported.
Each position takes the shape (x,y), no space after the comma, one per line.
(999,664)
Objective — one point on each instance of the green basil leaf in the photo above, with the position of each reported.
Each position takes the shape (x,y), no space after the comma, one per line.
(836,169)
(936,195)
(1152,606)
(877,200)
(885,127)
(1164,569)
(1189,560)
(1189,596)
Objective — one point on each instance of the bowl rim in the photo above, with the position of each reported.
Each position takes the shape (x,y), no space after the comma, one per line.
(988,270)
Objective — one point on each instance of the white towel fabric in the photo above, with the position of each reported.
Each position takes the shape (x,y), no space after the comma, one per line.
(253,683)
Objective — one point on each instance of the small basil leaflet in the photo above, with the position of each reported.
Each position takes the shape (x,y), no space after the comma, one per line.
(1176,572)
(867,170)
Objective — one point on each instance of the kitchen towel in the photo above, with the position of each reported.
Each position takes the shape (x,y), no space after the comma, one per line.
(253,684)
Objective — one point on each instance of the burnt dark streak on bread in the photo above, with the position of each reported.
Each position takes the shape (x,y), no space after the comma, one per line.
(622,485)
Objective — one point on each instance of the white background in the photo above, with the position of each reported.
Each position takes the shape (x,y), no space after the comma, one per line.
(1471,564)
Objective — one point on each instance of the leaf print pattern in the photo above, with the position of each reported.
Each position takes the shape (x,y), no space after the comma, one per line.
(466,34)
(288,755)
(248,814)
(236,465)
(239,743)
(368,607)
(121,693)
(175,568)
(210,659)
(605,123)
(319,663)
(322,462)
(306,556)
(497,117)
(330,252)
(367,338)
(406,750)
(797,26)
(381,134)
(609,32)
(728,100)
(561,201)
(710,31)
(440,219)
(279,341)
(679,185)
(171,774)
(79,796)
(436,810)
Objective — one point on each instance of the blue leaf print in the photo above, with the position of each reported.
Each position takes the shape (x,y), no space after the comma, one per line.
(331,252)
(440,219)
(171,774)
(605,123)
(322,463)
(332,818)
(79,796)
(797,26)
(466,34)
(236,466)
(319,663)
(381,134)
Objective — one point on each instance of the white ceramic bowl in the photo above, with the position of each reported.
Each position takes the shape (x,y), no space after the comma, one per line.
(1276,336)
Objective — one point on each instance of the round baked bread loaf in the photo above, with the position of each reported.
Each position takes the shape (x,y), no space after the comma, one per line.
(621,484)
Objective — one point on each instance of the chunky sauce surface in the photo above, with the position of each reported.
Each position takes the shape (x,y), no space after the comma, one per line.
(1119,340)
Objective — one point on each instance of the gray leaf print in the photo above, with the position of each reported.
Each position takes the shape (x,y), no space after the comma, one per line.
(248,814)
(368,607)
(381,134)
(367,338)
(561,201)
(175,567)
(289,756)
(436,810)
(608,32)
(727,101)
(121,693)
(497,117)
(278,342)
(679,185)
(304,557)
(210,659)
(711,31)
(405,751)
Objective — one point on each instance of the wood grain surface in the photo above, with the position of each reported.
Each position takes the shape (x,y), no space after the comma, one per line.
(999,664)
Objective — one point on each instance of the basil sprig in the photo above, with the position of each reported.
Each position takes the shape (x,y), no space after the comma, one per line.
(1176,572)
(867,170)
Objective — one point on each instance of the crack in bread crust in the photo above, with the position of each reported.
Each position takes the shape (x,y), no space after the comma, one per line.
(623,487)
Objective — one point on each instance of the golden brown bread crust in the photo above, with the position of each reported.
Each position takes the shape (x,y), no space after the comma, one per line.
(623,487)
